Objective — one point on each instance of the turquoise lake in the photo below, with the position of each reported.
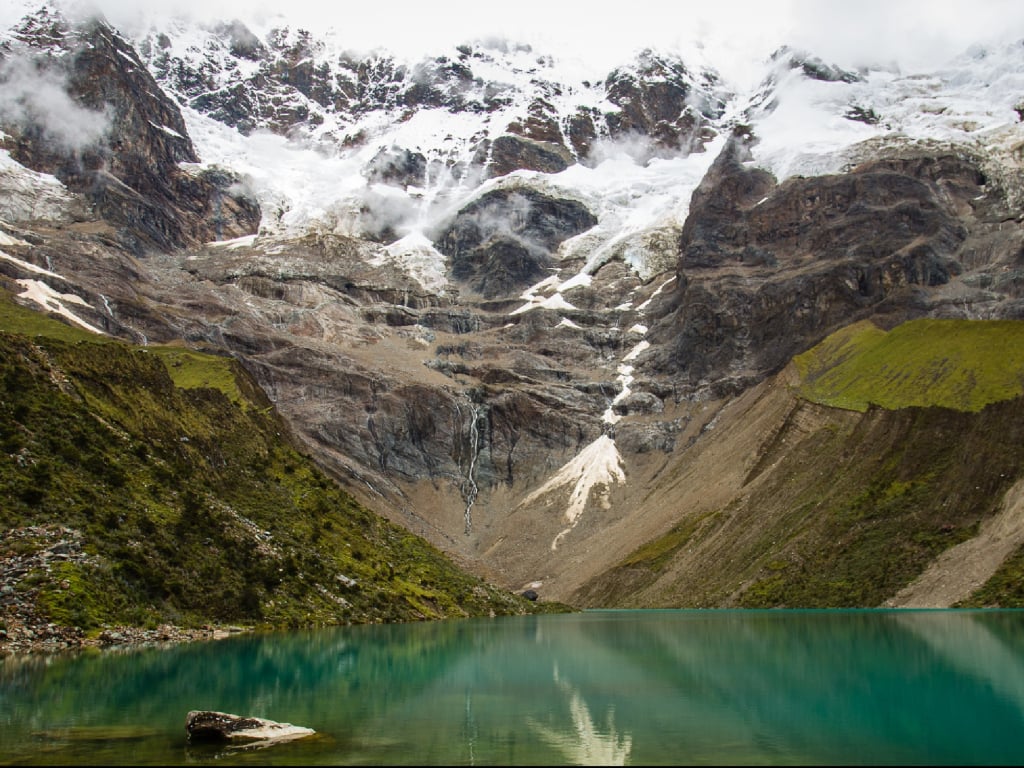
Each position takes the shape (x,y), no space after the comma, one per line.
(599,687)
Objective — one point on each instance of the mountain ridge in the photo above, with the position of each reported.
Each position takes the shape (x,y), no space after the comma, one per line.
(460,302)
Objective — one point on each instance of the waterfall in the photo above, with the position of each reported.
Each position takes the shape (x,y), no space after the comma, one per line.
(469,487)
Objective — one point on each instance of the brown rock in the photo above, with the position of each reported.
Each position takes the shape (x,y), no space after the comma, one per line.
(221,727)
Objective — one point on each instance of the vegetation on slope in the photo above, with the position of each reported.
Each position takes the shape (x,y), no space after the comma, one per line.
(178,498)
(959,364)
(1004,589)
(843,509)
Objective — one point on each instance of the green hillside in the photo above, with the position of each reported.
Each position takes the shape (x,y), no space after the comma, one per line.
(172,483)
(846,504)
(958,364)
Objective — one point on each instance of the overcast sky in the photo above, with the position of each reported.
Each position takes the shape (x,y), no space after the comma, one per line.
(734,32)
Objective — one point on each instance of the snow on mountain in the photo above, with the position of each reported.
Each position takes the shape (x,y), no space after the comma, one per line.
(810,125)
(305,117)
(541,206)
(307,139)
(28,194)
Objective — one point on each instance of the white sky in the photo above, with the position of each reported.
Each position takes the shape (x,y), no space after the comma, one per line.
(736,33)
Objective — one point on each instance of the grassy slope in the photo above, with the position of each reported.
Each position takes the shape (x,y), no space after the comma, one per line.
(952,364)
(192,506)
(844,510)
(963,365)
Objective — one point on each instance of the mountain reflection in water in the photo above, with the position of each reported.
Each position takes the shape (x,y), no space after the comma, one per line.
(585,745)
(831,687)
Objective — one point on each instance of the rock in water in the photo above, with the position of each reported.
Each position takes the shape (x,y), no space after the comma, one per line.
(221,727)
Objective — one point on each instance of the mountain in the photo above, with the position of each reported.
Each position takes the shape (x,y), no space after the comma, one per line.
(558,323)
(148,486)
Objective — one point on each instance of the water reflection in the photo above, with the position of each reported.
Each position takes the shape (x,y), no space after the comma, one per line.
(974,647)
(603,687)
(584,744)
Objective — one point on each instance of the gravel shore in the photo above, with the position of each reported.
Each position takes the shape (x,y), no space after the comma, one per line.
(26,634)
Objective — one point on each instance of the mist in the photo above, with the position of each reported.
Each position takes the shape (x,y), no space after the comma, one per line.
(32,94)
(735,37)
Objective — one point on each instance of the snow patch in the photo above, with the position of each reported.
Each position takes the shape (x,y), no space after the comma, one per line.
(244,241)
(8,240)
(53,301)
(20,262)
(551,302)
(418,257)
(598,466)
(625,378)
(535,300)
(27,194)
(635,352)
(657,291)
(165,129)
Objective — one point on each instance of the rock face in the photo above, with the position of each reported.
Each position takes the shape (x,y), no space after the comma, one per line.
(504,241)
(812,66)
(204,726)
(398,167)
(662,99)
(767,270)
(289,82)
(510,153)
(128,160)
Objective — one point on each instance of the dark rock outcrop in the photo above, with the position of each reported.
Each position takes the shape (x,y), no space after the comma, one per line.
(814,67)
(581,131)
(660,98)
(131,168)
(398,167)
(504,241)
(767,270)
(511,153)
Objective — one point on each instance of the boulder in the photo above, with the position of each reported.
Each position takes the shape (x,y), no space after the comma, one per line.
(203,726)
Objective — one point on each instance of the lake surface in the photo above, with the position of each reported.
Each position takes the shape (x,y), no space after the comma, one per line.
(599,687)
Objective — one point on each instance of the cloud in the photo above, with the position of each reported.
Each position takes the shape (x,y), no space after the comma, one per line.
(913,35)
(34,95)
(736,37)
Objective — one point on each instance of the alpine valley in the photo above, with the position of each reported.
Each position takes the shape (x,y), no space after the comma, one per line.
(635,338)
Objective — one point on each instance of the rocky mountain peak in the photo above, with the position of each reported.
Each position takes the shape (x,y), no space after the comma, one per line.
(813,66)
(83,106)
(46,29)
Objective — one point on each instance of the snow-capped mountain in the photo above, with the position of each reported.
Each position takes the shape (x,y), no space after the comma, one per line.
(495,293)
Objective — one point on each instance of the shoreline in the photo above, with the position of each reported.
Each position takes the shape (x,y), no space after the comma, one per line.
(24,627)
(50,639)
